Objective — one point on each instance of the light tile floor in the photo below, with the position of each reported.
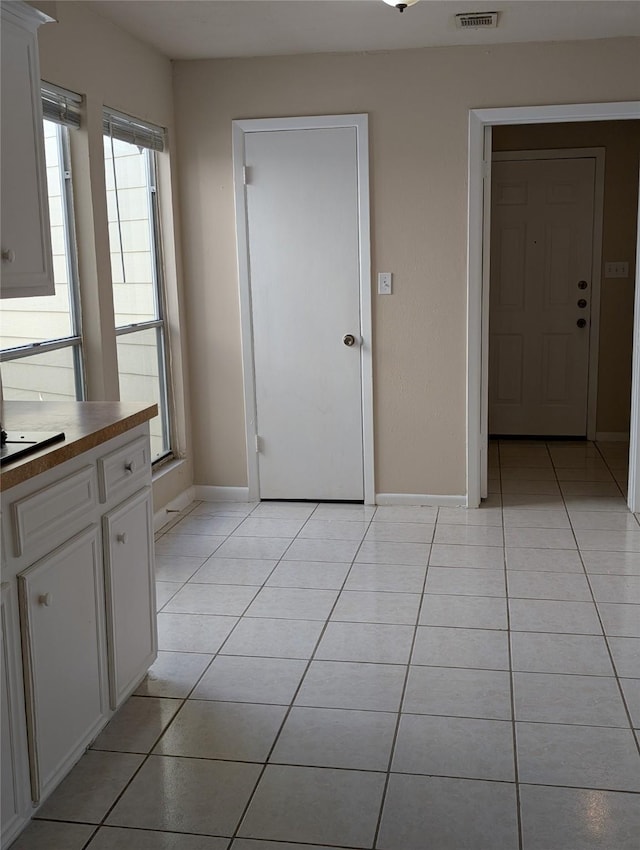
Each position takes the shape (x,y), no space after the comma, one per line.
(339,676)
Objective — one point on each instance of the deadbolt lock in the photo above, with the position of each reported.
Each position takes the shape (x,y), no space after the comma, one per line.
(582,303)
(582,284)
(349,340)
(581,323)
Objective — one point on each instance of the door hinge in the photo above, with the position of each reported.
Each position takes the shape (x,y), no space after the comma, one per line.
(258,444)
(246,174)
(485,169)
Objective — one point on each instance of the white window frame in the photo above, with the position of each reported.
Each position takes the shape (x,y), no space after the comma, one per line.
(154,141)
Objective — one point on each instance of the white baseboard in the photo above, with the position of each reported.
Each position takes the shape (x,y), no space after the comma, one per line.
(612,436)
(206,493)
(420,499)
(168,512)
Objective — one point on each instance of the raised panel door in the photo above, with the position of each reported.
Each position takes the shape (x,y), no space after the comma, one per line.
(62,621)
(541,247)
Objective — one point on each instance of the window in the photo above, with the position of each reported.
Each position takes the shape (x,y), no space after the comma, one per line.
(40,342)
(136,267)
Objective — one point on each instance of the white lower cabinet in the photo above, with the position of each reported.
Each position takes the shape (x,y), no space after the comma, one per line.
(14,779)
(63,646)
(78,613)
(131,609)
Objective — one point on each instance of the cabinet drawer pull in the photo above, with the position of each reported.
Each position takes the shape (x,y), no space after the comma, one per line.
(130,465)
(45,599)
(8,256)
(122,537)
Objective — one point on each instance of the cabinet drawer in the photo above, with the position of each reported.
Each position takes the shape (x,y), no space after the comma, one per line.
(124,469)
(50,516)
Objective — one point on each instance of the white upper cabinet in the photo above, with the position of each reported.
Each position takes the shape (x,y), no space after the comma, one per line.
(27,266)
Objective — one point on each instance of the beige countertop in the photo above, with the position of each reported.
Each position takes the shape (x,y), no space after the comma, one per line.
(86,424)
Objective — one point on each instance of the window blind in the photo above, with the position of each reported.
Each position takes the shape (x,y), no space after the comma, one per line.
(60,105)
(117,125)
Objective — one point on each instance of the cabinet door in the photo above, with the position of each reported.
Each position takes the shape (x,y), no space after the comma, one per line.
(61,612)
(27,267)
(131,599)
(14,764)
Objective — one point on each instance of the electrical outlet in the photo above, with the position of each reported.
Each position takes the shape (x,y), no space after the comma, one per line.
(619,269)
(384,283)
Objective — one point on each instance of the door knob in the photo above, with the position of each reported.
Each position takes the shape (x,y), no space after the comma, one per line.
(582,284)
(582,303)
(121,537)
(44,599)
(581,323)
(349,340)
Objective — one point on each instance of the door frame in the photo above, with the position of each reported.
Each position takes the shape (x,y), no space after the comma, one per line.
(360,122)
(598,155)
(479,220)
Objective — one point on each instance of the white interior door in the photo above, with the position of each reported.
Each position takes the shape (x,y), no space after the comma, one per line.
(302,218)
(541,279)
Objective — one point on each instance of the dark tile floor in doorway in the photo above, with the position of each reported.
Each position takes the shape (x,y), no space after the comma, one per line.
(398,678)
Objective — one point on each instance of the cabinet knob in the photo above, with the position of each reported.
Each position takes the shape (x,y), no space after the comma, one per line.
(45,599)
(122,537)
(8,256)
(130,465)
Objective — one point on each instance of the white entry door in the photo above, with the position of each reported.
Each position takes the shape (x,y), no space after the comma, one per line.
(303,246)
(540,293)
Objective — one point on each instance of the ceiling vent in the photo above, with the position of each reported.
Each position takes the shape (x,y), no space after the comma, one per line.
(476,20)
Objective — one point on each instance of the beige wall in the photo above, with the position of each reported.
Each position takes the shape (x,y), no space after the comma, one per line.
(418,103)
(91,56)
(621,141)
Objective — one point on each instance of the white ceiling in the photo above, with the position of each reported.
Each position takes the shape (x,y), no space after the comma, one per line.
(184,29)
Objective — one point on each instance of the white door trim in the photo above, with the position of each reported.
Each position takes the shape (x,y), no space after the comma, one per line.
(240,128)
(597,154)
(479,182)
(633,490)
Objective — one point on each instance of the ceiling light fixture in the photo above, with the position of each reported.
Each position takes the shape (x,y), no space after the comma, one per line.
(401,6)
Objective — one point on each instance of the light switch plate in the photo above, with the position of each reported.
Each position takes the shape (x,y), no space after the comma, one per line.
(619,269)
(384,283)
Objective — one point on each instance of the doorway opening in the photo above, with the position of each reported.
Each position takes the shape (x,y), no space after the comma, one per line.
(511,120)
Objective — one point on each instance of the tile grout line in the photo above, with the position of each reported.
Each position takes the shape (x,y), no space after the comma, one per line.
(610,470)
(297,690)
(394,740)
(604,632)
(516,771)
